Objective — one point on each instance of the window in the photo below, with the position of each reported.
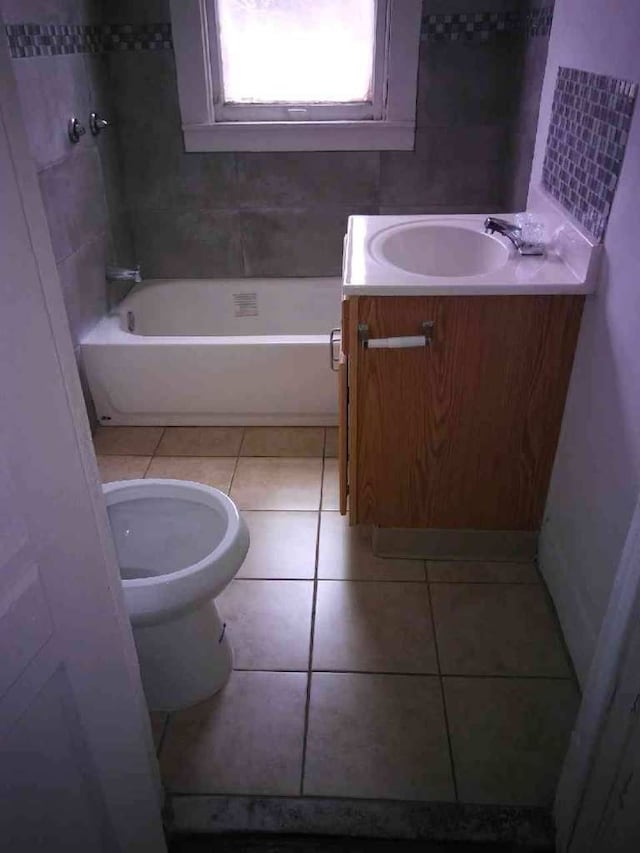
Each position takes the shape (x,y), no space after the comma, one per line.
(283,75)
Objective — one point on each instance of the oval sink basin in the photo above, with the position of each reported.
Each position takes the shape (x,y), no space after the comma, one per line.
(450,251)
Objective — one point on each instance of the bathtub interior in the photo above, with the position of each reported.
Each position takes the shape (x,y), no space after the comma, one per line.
(232,307)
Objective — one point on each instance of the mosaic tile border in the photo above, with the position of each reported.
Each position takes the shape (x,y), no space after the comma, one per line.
(29,40)
(481,26)
(590,120)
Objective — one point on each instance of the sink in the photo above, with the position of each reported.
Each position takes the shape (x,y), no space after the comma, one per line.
(448,250)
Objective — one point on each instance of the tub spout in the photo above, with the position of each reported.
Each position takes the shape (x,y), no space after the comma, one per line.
(124,274)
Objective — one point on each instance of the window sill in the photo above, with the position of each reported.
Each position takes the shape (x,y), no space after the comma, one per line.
(300,136)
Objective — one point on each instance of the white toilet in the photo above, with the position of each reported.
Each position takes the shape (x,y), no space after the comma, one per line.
(178,545)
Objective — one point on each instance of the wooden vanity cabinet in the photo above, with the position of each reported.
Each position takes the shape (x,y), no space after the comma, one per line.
(460,433)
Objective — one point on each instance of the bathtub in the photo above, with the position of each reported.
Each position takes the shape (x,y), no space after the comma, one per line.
(217,352)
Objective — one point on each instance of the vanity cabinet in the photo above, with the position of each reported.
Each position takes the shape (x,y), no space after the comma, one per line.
(460,432)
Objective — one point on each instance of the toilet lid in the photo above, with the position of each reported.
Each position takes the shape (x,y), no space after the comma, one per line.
(159,535)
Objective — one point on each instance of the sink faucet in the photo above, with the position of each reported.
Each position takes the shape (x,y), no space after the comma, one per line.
(123,274)
(513,233)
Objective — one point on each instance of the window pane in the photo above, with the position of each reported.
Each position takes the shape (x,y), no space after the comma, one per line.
(297,51)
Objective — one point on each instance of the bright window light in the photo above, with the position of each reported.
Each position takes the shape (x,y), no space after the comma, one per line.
(297,51)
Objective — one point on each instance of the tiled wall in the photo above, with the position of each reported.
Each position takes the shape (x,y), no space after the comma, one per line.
(81,184)
(272,214)
(588,132)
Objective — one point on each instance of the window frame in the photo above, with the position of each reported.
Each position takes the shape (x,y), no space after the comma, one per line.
(206,127)
(344,111)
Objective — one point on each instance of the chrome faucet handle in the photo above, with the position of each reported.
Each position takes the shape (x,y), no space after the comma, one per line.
(494,223)
(97,124)
(75,130)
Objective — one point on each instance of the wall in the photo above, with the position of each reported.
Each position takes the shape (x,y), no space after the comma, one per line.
(252,214)
(596,477)
(81,184)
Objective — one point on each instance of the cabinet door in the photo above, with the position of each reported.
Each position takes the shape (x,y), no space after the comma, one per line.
(461,433)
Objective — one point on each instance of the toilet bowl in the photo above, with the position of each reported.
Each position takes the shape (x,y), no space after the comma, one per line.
(178,545)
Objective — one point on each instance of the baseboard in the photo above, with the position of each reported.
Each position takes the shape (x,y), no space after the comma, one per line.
(518,546)
(580,633)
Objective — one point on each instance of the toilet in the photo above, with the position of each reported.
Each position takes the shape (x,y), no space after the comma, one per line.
(178,545)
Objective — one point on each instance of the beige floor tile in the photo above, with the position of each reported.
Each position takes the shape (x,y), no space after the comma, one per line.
(122,467)
(277,483)
(214,471)
(377,736)
(200,441)
(331,443)
(469,571)
(330,485)
(126,441)
(345,553)
(158,722)
(269,623)
(365,626)
(509,737)
(497,629)
(248,739)
(283,545)
(283,441)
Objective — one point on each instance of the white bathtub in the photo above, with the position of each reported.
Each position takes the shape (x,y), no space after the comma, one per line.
(217,352)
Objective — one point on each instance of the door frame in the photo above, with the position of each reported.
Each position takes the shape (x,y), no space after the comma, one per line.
(135,814)
(608,716)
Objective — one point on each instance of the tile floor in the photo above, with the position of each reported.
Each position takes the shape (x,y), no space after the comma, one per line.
(355,676)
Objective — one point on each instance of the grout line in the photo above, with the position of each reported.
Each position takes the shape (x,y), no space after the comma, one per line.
(240,446)
(155,449)
(312,637)
(235,468)
(146,470)
(441,676)
(442,695)
(487,583)
(163,735)
(329,580)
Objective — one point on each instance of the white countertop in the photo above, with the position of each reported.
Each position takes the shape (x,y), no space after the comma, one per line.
(569,266)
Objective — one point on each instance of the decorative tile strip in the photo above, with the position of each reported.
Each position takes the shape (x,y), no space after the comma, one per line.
(136,37)
(27,40)
(590,120)
(481,26)
(30,40)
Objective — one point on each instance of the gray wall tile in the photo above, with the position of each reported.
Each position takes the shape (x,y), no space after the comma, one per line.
(305,242)
(461,83)
(83,286)
(51,90)
(137,12)
(451,166)
(50,11)
(74,199)
(187,244)
(308,178)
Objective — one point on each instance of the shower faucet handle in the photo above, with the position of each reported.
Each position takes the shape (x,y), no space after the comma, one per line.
(97,124)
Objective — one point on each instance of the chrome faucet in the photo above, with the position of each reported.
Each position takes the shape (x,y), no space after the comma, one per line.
(513,233)
(123,274)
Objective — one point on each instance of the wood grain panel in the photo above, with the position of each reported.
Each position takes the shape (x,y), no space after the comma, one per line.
(343,432)
(463,433)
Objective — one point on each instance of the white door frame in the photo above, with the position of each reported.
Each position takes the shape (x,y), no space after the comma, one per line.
(608,715)
(105,682)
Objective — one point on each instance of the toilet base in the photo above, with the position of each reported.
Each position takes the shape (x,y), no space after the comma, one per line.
(185,660)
